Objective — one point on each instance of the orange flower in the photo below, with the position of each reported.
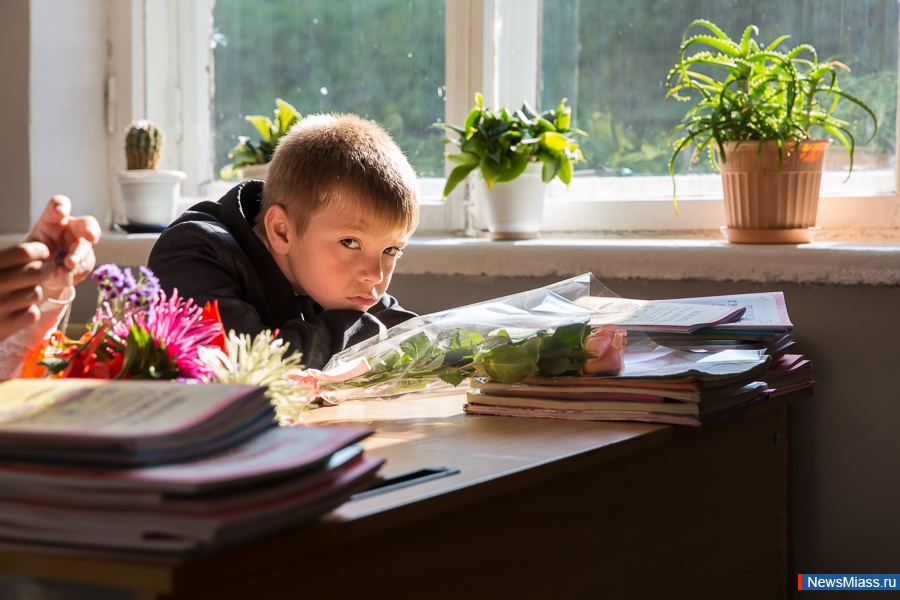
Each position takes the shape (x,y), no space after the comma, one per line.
(607,345)
(211,317)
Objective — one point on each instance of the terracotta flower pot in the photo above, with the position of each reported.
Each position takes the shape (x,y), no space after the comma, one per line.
(772,201)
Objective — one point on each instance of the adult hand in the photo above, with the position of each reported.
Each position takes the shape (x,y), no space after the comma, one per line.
(23,268)
(70,241)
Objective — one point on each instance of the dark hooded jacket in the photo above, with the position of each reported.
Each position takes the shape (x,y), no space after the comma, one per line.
(211,253)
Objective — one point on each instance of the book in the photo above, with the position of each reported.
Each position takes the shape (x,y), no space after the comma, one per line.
(789,373)
(646,416)
(653,315)
(561,389)
(167,532)
(765,325)
(587,402)
(126,422)
(762,310)
(277,453)
(284,476)
(660,367)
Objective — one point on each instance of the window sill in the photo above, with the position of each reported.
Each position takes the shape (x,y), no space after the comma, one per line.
(871,263)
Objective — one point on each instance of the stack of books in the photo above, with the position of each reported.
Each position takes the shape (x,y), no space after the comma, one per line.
(702,359)
(661,385)
(161,467)
(764,325)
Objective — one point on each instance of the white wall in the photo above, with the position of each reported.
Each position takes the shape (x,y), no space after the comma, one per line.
(68,67)
(14,117)
(52,110)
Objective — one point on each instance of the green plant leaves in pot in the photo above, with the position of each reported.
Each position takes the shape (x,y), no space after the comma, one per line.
(502,144)
(744,91)
(259,152)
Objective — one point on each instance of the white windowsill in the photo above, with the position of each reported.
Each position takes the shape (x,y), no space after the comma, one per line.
(827,262)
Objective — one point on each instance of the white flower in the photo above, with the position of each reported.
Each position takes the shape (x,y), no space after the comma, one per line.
(262,361)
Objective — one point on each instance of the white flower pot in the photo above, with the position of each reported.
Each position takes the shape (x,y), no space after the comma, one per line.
(515,209)
(150,196)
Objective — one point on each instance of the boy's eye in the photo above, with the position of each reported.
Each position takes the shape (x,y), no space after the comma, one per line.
(350,243)
(393,251)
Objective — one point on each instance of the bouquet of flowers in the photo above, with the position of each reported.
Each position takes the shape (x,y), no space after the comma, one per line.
(533,333)
(138,332)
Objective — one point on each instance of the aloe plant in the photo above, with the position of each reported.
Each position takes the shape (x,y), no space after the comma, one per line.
(249,152)
(502,144)
(745,91)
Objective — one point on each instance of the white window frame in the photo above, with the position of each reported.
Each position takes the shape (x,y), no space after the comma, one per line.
(492,47)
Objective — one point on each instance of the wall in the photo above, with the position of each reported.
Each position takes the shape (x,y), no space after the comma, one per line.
(15,116)
(53,56)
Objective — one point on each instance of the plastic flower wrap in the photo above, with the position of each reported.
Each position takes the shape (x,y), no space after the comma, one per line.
(537,332)
(138,332)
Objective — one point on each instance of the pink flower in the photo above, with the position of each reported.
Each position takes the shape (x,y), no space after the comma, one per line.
(607,345)
(180,326)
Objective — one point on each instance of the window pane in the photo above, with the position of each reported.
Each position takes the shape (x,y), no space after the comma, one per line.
(381,59)
(613,70)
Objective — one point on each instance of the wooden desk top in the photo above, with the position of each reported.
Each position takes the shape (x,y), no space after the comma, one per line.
(494,455)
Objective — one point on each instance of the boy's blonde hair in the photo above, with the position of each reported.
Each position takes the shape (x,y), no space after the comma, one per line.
(342,159)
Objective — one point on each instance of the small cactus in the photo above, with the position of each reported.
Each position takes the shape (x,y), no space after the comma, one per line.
(143,145)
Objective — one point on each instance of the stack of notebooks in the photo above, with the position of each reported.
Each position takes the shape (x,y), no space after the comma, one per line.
(161,467)
(763,325)
(702,360)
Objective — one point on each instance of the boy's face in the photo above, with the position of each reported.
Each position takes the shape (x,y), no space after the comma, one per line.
(342,263)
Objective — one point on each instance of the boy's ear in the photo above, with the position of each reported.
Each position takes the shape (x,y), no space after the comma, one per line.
(279,230)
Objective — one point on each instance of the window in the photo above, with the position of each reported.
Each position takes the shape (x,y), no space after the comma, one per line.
(408,63)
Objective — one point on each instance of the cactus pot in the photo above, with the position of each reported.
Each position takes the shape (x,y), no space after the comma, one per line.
(150,196)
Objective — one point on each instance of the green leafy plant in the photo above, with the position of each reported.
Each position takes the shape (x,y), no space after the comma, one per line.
(249,152)
(744,91)
(143,145)
(502,144)
(456,355)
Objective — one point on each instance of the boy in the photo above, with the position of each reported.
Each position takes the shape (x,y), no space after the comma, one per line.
(311,252)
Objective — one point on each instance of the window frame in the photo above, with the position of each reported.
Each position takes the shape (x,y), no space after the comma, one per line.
(173,78)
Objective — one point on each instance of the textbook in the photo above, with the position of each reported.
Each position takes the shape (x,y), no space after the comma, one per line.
(643,415)
(764,325)
(282,477)
(652,315)
(126,422)
(165,531)
(576,402)
(656,384)
(661,367)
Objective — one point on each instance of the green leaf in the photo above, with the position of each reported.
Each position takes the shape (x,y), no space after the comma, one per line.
(416,346)
(453,379)
(464,158)
(263,125)
(456,176)
(508,364)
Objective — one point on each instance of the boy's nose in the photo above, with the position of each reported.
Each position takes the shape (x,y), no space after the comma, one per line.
(372,271)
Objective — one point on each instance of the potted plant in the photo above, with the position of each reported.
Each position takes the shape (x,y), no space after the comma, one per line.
(517,154)
(149,195)
(250,159)
(754,111)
